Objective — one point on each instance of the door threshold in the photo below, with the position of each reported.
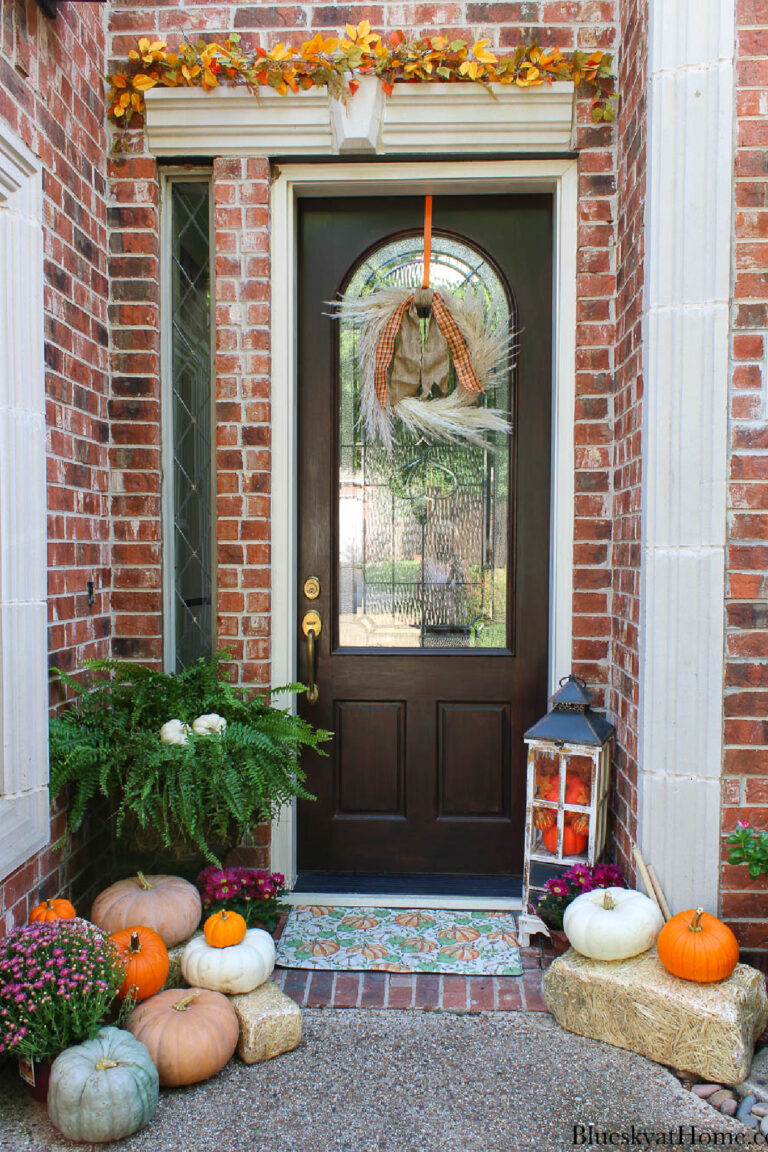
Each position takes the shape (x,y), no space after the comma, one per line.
(398,900)
(347,890)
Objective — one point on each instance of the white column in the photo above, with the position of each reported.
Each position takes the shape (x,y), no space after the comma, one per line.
(685,414)
(23,655)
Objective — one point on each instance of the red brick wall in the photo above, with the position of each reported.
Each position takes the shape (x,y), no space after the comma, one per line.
(627,407)
(744,902)
(51,96)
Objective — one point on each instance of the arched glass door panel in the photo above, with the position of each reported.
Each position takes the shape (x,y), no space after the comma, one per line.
(424,530)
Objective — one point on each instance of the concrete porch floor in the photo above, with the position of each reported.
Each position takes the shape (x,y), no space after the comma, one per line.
(394,1081)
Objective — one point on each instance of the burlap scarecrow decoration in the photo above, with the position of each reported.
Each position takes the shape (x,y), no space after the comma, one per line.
(405,366)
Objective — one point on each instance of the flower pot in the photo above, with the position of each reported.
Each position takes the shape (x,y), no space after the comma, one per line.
(560,942)
(36,1074)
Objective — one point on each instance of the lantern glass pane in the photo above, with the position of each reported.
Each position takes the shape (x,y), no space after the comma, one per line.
(546,767)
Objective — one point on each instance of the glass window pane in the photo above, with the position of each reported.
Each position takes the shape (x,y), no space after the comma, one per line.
(191,421)
(423,529)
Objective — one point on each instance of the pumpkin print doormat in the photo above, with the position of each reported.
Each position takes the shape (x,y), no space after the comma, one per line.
(400,940)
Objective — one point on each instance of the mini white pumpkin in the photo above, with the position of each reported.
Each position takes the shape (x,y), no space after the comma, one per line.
(612,923)
(103,1089)
(238,968)
(174,732)
(210,724)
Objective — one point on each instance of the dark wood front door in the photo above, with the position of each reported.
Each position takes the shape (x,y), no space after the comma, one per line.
(432,561)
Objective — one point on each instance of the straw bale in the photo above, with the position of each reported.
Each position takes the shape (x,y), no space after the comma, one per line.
(270,1023)
(708,1030)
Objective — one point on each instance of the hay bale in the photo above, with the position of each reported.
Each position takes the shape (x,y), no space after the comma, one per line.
(174,979)
(270,1023)
(705,1029)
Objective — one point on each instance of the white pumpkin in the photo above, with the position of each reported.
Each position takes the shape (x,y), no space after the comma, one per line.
(103,1089)
(612,923)
(174,732)
(238,968)
(210,724)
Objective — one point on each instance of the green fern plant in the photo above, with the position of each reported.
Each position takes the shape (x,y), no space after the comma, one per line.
(212,789)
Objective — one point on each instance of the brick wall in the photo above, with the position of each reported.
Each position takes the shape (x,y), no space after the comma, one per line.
(627,405)
(51,96)
(744,902)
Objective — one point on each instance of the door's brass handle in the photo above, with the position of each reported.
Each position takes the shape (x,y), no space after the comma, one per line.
(312,626)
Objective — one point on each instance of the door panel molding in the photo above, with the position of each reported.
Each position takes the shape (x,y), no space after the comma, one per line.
(557,176)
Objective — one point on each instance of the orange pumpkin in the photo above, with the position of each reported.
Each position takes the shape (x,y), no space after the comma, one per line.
(577,790)
(697,946)
(52,910)
(190,1033)
(146,961)
(223,929)
(574,842)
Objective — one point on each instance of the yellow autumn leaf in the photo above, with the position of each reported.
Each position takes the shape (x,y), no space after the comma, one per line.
(172,59)
(136,101)
(351,32)
(143,45)
(479,53)
(363,29)
(279,52)
(330,44)
(119,80)
(143,83)
(133,54)
(533,74)
(439,42)
(209,80)
(309,47)
(124,100)
(521,82)
(190,73)
(469,68)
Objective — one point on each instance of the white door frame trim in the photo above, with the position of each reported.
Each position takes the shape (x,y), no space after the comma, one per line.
(558,176)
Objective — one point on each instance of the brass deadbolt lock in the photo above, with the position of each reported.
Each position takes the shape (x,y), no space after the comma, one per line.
(312,588)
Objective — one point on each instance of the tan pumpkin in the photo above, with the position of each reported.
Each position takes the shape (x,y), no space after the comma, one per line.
(168,904)
(190,1033)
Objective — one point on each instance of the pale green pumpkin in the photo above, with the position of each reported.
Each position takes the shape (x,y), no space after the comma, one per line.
(103,1089)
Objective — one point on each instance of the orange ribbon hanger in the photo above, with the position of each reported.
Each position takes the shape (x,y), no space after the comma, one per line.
(427,239)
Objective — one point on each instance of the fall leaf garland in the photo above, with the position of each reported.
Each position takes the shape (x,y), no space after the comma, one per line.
(332,62)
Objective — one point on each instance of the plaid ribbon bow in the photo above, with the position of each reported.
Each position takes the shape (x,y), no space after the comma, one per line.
(457,345)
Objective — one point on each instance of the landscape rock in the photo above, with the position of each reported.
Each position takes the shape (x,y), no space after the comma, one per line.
(707,1029)
(729,1106)
(270,1023)
(703,1091)
(718,1098)
(756,1081)
(764,1125)
(760,1110)
(745,1110)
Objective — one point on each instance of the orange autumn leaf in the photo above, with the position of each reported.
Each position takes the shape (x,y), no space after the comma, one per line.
(143,83)
(479,53)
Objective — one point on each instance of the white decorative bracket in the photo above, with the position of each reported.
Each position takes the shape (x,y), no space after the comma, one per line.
(454,119)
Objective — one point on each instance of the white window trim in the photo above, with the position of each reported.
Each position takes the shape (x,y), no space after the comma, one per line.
(558,176)
(24,801)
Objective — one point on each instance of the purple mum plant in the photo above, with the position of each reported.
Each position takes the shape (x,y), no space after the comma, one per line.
(252,892)
(561,890)
(58,982)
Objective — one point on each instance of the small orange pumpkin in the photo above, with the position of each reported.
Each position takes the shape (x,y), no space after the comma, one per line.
(52,910)
(223,929)
(697,946)
(574,842)
(146,961)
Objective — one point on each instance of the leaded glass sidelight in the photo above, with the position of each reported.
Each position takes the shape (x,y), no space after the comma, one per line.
(423,530)
(189,493)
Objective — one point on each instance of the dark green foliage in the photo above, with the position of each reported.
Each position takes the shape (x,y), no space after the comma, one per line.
(209,791)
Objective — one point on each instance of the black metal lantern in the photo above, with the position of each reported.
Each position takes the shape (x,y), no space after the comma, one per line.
(567,800)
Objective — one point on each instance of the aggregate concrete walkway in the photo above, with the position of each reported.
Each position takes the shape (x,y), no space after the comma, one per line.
(391,1081)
